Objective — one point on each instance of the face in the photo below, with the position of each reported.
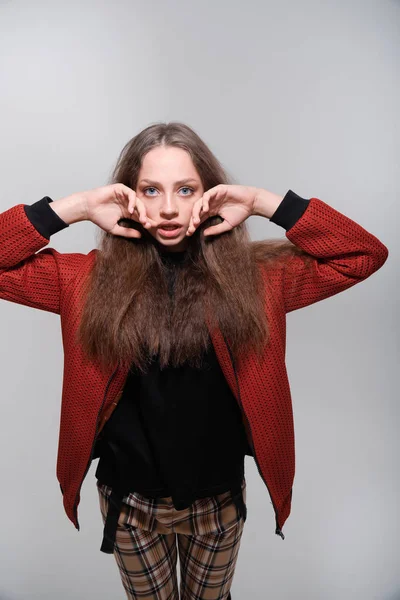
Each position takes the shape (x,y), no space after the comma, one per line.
(169,185)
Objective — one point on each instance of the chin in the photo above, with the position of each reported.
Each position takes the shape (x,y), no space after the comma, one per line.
(177,244)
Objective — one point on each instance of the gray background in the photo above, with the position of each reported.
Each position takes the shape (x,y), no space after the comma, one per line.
(290,95)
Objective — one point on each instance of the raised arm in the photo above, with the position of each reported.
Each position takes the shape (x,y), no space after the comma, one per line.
(341,253)
(35,277)
(27,276)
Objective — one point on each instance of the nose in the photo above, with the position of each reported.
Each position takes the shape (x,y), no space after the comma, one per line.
(169,206)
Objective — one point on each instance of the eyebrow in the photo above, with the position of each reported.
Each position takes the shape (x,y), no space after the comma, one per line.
(180,182)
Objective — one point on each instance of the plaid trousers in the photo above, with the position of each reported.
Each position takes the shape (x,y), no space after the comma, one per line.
(151,533)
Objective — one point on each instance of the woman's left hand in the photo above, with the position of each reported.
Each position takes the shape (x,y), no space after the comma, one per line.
(234,203)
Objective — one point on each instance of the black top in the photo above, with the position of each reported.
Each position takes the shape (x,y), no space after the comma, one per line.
(176,431)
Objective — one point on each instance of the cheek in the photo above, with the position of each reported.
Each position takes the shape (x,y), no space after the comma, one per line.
(149,208)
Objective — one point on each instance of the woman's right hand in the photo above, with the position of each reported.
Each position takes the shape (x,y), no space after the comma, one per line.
(106,205)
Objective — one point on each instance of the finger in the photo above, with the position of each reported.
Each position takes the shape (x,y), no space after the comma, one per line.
(196,218)
(196,210)
(216,229)
(191,227)
(140,211)
(132,200)
(147,222)
(129,232)
(134,206)
(124,194)
(206,200)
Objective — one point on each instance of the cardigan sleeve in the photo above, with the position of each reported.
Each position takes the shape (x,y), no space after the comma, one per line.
(339,252)
(44,218)
(29,274)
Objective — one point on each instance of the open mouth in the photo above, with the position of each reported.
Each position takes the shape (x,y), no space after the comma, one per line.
(169,230)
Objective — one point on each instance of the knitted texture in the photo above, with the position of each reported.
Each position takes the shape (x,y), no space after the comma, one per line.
(343,254)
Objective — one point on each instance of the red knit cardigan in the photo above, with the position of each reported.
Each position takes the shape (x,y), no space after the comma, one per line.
(344,254)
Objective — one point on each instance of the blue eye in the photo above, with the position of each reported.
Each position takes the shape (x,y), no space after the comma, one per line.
(151,188)
(184,188)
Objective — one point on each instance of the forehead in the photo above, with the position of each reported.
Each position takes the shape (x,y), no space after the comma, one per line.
(168,164)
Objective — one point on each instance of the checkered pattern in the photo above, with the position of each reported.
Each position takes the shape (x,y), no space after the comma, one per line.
(151,533)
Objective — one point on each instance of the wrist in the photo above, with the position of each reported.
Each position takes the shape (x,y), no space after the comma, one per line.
(70,209)
(266,203)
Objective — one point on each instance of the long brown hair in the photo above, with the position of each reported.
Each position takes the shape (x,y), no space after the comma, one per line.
(129,315)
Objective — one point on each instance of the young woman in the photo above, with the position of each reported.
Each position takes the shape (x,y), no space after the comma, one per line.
(174,343)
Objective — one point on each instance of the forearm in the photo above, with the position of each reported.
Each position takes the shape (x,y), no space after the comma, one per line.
(70,209)
(266,203)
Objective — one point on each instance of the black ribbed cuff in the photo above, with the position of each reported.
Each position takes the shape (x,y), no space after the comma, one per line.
(44,218)
(290,210)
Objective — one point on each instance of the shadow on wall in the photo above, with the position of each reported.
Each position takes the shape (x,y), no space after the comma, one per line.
(394,596)
(6,596)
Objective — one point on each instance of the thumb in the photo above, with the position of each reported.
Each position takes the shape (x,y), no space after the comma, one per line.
(216,229)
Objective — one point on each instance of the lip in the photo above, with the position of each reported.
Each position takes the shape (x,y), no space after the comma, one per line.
(171,223)
(169,233)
